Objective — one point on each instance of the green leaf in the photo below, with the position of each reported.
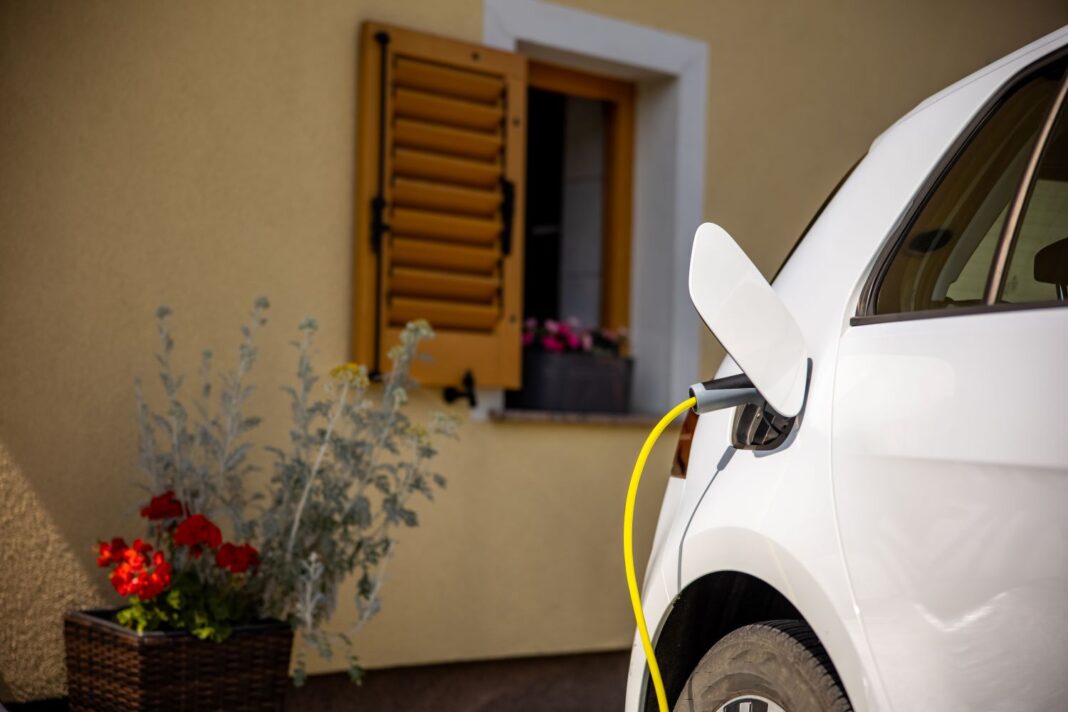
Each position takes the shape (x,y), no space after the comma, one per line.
(218,607)
(365,586)
(126,617)
(361,512)
(203,632)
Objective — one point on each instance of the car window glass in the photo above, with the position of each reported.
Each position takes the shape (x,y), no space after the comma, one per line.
(944,259)
(1037,270)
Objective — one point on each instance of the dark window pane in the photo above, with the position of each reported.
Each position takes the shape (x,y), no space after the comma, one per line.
(1038,268)
(945,257)
(544,208)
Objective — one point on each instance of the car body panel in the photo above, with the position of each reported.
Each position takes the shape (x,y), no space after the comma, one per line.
(775,515)
(951,497)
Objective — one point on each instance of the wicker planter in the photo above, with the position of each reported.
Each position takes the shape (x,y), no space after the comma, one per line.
(573,382)
(110,667)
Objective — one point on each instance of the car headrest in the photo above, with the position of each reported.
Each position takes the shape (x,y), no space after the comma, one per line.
(1051,263)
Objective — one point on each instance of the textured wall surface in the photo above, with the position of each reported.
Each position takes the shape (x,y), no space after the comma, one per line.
(199,154)
(43,576)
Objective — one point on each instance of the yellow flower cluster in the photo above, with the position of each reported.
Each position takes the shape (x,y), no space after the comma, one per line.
(353,374)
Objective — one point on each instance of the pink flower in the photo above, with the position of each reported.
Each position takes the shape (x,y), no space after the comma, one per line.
(530,324)
(587,341)
(552,326)
(551,343)
(568,335)
(528,338)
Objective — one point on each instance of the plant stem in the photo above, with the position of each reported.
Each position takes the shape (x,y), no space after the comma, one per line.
(387,396)
(184,493)
(315,469)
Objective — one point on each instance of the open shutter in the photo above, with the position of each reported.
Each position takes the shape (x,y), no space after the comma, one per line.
(439,203)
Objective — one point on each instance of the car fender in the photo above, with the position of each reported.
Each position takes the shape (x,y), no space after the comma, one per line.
(771,515)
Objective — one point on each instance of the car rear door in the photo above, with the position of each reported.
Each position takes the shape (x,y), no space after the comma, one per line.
(950,441)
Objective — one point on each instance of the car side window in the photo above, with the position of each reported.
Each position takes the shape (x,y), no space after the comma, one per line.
(1037,269)
(944,259)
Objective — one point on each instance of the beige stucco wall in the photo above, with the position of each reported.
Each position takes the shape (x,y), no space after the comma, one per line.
(199,154)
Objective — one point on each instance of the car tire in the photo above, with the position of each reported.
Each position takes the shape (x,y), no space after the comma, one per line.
(761,666)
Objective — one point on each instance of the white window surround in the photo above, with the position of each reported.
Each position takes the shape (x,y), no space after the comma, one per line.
(671,73)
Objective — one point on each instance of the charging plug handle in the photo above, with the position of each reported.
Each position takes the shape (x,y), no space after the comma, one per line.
(727,392)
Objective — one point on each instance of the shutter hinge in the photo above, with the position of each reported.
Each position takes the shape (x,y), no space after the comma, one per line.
(379,226)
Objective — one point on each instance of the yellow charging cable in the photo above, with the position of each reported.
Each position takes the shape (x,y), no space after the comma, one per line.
(628,546)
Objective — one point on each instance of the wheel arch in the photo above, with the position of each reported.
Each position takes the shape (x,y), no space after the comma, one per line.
(703,613)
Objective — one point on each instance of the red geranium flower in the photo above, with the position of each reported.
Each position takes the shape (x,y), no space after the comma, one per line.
(164,506)
(122,578)
(132,577)
(137,553)
(237,559)
(157,581)
(110,553)
(196,532)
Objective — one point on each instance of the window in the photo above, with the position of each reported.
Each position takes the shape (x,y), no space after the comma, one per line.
(943,260)
(577,244)
(443,190)
(1037,269)
(578,196)
(439,197)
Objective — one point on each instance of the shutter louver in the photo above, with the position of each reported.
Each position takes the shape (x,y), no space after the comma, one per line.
(454,132)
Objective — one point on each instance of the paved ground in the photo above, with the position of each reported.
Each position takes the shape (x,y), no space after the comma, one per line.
(566,683)
(572,683)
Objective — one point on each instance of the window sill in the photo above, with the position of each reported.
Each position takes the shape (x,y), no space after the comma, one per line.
(555,416)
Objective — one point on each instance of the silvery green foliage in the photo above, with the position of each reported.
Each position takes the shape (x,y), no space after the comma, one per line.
(341,490)
(338,492)
(203,458)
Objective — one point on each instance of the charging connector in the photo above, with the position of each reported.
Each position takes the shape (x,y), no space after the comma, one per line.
(727,392)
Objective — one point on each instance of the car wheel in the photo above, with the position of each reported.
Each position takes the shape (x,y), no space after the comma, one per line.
(774,666)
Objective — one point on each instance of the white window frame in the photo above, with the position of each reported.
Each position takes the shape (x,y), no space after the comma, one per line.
(671,75)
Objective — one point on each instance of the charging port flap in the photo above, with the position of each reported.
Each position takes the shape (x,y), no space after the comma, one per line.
(747,316)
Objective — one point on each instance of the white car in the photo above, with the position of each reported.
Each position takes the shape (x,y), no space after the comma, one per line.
(886,526)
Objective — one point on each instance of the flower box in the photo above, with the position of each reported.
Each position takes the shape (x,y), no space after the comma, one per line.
(573,382)
(110,667)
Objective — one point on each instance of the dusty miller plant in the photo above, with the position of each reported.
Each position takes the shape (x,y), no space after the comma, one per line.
(342,489)
(338,493)
(203,457)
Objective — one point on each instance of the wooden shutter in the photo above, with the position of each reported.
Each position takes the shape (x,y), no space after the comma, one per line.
(441,143)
